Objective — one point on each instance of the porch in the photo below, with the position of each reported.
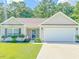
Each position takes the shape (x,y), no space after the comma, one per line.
(20,31)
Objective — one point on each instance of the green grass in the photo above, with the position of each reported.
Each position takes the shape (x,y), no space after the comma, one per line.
(19,51)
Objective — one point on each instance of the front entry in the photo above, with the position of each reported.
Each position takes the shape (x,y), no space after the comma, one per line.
(34,34)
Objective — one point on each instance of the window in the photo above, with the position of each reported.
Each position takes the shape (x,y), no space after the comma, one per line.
(9,31)
(16,31)
(12,31)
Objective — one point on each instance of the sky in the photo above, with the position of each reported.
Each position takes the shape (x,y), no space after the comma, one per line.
(72,2)
(34,3)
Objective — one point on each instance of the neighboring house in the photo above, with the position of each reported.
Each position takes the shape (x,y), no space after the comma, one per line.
(56,28)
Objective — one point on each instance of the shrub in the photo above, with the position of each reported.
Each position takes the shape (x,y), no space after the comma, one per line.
(4,37)
(14,38)
(77,36)
(27,40)
(38,40)
(21,35)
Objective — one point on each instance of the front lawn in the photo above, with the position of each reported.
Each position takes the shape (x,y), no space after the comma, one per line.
(19,51)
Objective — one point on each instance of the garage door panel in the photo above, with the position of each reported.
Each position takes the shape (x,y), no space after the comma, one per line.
(59,34)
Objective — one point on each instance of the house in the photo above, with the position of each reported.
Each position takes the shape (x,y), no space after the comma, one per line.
(58,27)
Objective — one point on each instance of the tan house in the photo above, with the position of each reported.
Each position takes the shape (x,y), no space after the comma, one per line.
(56,28)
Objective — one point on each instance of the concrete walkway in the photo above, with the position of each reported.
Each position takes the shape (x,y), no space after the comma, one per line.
(59,51)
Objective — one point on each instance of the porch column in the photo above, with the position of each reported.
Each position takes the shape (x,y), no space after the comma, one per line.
(1,33)
(41,33)
(25,30)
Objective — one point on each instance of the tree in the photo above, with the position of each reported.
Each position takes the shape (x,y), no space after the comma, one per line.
(1,13)
(65,8)
(19,10)
(46,8)
(75,14)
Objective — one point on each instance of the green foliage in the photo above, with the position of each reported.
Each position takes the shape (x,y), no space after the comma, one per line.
(65,8)
(22,35)
(4,37)
(38,40)
(27,40)
(44,9)
(14,37)
(19,10)
(1,13)
(77,36)
(75,14)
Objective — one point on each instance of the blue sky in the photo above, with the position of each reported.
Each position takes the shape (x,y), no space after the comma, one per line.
(34,3)
(31,3)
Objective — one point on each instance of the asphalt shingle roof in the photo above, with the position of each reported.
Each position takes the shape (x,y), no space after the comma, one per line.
(58,19)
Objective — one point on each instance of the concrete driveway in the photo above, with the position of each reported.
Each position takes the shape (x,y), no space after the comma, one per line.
(59,51)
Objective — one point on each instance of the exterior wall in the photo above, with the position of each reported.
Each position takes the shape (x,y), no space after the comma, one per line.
(29,33)
(59,18)
(58,33)
(3,27)
(24,30)
(78,30)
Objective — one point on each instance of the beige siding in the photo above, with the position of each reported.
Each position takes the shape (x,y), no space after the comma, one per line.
(12,27)
(60,19)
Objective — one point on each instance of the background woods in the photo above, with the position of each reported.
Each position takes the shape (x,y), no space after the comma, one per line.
(44,9)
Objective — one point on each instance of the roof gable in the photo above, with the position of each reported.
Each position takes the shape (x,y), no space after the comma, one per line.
(59,19)
(11,21)
(23,21)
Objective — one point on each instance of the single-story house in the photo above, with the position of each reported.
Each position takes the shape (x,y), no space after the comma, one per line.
(58,27)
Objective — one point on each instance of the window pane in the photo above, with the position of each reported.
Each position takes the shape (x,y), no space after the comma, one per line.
(9,31)
(16,31)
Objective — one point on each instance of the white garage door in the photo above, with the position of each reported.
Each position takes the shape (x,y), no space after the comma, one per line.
(59,34)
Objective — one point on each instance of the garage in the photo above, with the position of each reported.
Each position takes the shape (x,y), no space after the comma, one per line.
(59,34)
(59,28)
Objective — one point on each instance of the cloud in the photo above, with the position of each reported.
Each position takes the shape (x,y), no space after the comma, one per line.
(9,1)
(17,0)
(62,1)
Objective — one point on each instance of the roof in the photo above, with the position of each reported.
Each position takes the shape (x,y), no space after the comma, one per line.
(23,21)
(31,21)
(11,20)
(59,19)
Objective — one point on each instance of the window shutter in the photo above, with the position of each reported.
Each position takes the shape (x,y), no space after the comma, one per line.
(19,30)
(5,32)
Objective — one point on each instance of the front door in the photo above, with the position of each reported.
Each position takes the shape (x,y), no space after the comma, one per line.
(33,34)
